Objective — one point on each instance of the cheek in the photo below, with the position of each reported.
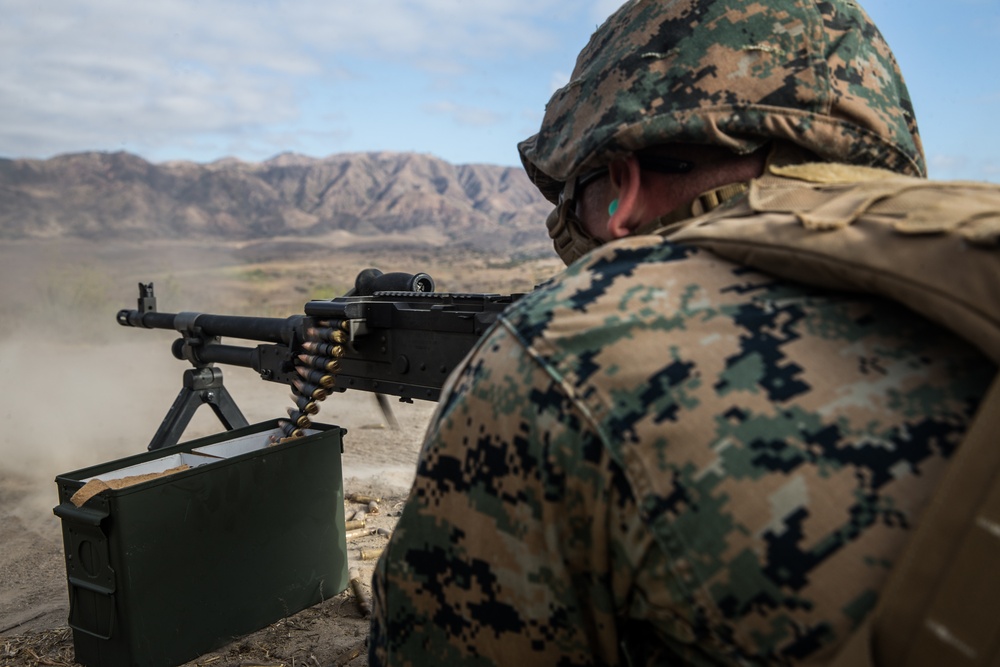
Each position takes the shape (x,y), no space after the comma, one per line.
(596,227)
(593,214)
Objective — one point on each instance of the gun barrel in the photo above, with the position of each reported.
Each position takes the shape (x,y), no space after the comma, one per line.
(145,320)
(265,329)
(232,355)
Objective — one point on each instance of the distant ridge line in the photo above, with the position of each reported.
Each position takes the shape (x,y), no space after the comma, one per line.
(97,195)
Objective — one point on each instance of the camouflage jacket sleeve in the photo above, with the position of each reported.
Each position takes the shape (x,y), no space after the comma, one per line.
(665,455)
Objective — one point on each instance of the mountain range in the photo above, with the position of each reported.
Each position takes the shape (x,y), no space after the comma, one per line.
(119,195)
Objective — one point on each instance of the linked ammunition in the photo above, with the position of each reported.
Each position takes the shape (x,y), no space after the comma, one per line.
(298,418)
(315,376)
(308,389)
(305,404)
(343,325)
(328,334)
(289,429)
(323,349)
(322,363)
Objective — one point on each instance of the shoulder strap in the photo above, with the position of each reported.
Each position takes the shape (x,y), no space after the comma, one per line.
(901,238)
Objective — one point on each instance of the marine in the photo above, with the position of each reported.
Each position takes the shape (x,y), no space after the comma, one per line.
(709,440)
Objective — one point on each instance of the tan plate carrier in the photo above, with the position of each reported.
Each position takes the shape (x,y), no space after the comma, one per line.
(933,247)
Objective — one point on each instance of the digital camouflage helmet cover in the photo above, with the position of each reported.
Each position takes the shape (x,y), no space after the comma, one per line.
(733,73)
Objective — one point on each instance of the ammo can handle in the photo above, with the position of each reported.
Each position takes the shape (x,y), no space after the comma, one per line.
(91,580)
(82,515)
(74,587)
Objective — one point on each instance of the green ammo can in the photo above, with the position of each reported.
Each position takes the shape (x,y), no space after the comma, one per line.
(168,569)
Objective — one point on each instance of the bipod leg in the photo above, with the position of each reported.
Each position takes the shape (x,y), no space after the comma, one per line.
(390,416)
(201,385)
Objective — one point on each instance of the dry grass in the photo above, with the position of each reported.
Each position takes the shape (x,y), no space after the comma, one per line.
(51,648)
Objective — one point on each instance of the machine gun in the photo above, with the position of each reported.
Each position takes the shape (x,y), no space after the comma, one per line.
(391,335)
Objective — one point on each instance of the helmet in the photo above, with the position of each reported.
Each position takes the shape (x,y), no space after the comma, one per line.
(733,73)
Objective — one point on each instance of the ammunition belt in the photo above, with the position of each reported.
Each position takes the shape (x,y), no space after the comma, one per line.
(320,359)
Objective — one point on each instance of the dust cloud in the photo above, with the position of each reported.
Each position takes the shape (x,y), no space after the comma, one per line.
(77,389)
(71,405)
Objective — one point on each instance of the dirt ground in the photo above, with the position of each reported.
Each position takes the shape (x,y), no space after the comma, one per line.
(77,390)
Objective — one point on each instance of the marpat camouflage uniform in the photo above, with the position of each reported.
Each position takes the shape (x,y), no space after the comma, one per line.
(738,74)
(733,73)
(668,450)
(662,457)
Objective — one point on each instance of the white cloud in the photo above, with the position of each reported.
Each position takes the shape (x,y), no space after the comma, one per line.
(205,78)
(426,28)
(78,76)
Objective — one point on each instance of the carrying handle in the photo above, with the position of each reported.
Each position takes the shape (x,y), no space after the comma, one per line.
(92,604)
(92,593)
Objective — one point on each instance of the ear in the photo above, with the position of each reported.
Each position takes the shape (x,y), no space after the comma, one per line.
(625,176)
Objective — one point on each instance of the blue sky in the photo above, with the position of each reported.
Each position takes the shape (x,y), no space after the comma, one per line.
(461,79)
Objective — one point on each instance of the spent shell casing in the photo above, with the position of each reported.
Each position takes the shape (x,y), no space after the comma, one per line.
(327,333)
(373,507)
(354,525)
(357,533)
(309,389)
(359,592)
(362,498)
(298,418)
(370,554)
